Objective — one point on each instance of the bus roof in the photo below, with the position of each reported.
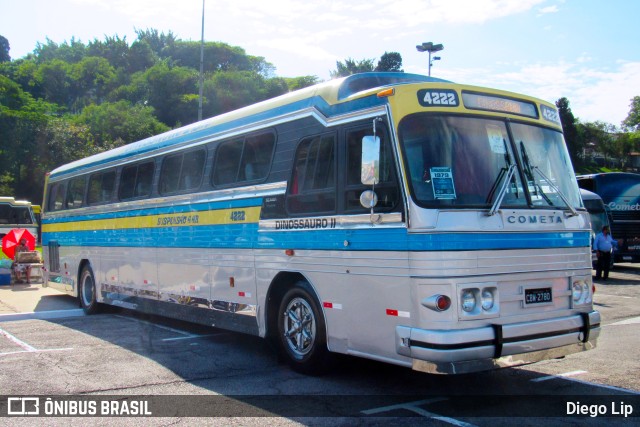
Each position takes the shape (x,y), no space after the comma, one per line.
(15,202)
(331,98)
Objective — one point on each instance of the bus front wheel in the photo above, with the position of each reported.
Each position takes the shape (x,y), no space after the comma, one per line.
(301,331)
(87,292)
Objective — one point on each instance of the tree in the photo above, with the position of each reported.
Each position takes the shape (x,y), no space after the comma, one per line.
(4,50)
(633,118)
(569,122)
(119,123)
(351,66)
(390,61)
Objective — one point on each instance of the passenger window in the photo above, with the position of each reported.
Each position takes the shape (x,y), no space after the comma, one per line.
(312,188)
(56,197)
(75,193)
(101,187)
(136,181)
(243,160)
(182,172)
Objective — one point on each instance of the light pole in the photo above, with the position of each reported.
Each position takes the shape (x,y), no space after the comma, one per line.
(431,48)
(201,79)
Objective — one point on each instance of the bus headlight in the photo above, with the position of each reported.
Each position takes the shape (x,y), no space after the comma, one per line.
(468,300)
(488,299)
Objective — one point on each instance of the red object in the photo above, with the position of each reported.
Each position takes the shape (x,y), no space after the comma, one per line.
(12,239)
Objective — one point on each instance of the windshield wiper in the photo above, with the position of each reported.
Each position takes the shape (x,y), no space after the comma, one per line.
(503,189)
(573,210)
(529,169)
(509,171)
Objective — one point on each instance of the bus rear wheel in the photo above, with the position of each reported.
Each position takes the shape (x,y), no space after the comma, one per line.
(302,335)
(87,291)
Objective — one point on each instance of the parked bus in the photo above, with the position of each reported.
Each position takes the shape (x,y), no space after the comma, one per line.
(620,192)
(390,216)
(17,214)
(598,216)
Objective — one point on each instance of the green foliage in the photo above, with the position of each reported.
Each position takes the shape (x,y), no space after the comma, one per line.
(390,61)
(118,123)
(351,66)
(574,143)
(633,118)
(4,50)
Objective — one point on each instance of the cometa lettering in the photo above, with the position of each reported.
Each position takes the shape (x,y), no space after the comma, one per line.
(534,219)
(305,224)
(622,207)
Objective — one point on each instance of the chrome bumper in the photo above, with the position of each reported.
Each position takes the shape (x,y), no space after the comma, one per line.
(497,346)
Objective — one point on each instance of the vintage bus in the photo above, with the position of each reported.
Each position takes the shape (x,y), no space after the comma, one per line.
(620,192)
(390,216)
(17,214)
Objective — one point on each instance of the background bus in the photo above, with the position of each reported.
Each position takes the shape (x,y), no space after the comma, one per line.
(390,216)
(599,218)
(620,192)
(17,214)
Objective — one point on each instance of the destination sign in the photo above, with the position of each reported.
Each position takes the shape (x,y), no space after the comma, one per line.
(481,101)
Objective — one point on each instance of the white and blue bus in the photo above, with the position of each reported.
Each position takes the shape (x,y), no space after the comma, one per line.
(390,216)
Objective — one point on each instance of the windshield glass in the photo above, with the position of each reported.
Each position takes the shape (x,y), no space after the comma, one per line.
(547,167)
(459,161)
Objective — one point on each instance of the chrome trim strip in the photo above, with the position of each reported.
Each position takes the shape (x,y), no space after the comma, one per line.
(331,222)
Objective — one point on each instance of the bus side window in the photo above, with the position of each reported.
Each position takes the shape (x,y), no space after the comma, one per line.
(136,181)
(75,193)
(312,188)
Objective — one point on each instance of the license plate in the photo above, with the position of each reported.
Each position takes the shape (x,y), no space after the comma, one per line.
(537,296)
(627,258)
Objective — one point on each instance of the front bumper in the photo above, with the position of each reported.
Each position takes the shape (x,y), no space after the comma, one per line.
(496,346)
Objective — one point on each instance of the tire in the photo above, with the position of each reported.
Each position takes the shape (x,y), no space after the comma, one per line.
(87,291)
(302,335)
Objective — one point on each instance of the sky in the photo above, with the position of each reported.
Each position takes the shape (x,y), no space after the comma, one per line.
(584,50)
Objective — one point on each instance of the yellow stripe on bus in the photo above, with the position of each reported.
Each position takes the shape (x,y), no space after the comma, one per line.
(184,219)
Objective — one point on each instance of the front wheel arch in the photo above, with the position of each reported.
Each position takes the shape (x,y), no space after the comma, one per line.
(301,330)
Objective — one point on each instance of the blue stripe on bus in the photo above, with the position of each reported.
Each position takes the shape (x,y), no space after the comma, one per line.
(247,236)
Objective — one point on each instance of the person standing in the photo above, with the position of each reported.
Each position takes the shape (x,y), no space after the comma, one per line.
(603,245)
(19,269)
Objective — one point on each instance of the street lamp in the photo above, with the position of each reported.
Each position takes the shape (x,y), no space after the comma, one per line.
(431,48)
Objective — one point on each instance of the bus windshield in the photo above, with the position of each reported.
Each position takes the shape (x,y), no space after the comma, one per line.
(464,162)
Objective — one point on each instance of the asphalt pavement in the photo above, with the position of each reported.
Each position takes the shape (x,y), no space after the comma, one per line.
(20,301)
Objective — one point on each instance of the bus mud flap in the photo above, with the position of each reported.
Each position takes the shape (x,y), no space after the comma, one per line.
(497,330)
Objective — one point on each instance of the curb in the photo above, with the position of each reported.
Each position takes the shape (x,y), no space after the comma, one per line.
(42,315)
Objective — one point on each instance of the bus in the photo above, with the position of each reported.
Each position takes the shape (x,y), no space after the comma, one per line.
(620,192)
(598,216)
(390,216)
(17,214)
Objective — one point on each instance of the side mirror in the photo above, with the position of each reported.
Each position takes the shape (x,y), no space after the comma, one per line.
(369,169)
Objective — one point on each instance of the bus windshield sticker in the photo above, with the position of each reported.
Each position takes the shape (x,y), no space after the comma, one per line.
(438,98)
(442,181)
(496,141)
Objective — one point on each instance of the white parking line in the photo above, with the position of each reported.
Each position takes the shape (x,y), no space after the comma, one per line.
(552,377)
(185,335)
(26,347)
(568,376)
(413,407)
(15,340)
(632,321)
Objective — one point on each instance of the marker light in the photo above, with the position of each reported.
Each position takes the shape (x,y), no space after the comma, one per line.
(437,302)
(386,93)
